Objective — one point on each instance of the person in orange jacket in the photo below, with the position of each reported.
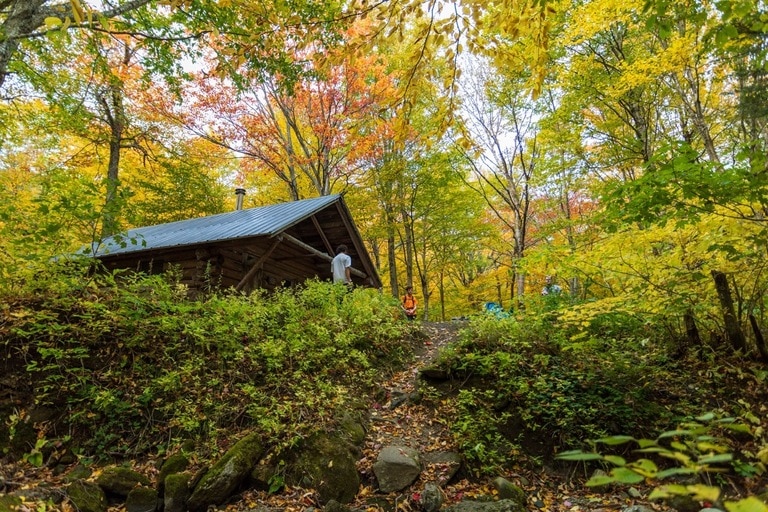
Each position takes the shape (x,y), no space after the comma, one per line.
(409,303)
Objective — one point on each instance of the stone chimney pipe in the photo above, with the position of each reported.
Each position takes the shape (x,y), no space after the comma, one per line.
(240,193)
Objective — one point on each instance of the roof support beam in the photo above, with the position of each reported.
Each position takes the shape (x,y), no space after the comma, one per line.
(312,250)
(319,229)
(256,266)
(352,231)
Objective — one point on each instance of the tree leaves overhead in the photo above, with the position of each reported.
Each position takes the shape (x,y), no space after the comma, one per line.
(265,36)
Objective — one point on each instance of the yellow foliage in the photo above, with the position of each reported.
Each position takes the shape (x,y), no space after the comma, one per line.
(594,17)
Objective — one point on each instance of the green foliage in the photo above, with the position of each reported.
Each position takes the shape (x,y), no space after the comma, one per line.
(478,432)
(525,381)
(136,362)
(700,447)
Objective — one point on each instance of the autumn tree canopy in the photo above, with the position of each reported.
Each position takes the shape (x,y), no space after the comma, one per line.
(616,146)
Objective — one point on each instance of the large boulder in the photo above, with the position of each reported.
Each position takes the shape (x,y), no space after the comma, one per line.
(509,491)
(327,464)
(396,468)
(486,506)
(432,497)
(87,496)
(176,463)
(141,499)
(176,493)
(119,481)
(224,477)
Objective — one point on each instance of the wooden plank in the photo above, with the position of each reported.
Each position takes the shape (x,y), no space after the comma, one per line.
(257,265)
(319,254)
(320,231)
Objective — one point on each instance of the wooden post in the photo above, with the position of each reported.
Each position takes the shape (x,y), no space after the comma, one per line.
(256,266)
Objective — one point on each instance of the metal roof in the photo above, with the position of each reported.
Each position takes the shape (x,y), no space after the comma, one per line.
(262,221)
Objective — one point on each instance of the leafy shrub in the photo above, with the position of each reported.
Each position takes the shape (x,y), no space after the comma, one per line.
(535,384)
(700,447)
(478,431)
(136,362)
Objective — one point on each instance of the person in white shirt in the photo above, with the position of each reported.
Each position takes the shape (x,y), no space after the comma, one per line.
(550,288)
(341,266)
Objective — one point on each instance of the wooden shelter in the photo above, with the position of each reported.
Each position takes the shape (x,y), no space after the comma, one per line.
(266,247)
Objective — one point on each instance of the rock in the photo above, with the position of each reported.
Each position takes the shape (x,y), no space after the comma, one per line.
(176,463)
(120,481)
(444,464)
(327,464)
(224,477)
(352,429)
(434,373)
(79,472)
(486,506)
(335,506)
(87,496)
(432,497)
(397,400)
(637,508)
(177,492)
(141,499)
(509,491)
(683,503)
(264,475)
(396,468)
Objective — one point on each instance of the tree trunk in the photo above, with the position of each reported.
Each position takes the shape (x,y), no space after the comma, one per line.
(23,17)
(113,109)
(732,329)
(691,332)
(442,296)
(759,340)
(392,261)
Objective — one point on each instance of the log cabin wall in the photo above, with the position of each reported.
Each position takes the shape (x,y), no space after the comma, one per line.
(300,250)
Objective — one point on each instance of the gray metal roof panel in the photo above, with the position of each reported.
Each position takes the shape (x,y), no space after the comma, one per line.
(262,221)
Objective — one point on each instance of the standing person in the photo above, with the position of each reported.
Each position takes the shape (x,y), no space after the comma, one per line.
(409,303)
(341,266)
(550,288)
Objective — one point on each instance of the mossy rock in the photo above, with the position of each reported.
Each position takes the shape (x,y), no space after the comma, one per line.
(120,480)
(87,496)
(509,491)
(79,472)
(176,463)
(326,464)
(224,477)
(141,499)
(177,492)
(352,429)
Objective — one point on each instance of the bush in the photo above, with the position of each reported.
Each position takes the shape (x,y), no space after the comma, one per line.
(525,381)
(136,363)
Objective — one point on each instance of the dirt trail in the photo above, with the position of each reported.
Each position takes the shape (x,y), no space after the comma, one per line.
(406,419)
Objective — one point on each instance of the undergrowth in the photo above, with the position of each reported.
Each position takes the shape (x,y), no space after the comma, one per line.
(531,388)
(134,365)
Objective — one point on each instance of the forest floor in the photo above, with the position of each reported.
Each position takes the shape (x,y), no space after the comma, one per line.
(423,426)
